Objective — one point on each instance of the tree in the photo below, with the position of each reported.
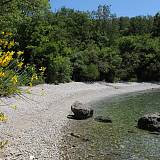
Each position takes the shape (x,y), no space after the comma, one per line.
(59,70)
(124,25)
(156,25)
(108,64)
(141,25)
(15,12)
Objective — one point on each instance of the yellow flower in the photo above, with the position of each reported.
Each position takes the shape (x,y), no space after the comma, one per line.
(14,79)
(2,117)
(11,44)
(14,107)
(2,33)
(9,33)
(6,58)
(19,65)
(27,91)
(5,44)
(34,77)
(30,84)
(42,69)
(2,74)
(20,53)
(11,53)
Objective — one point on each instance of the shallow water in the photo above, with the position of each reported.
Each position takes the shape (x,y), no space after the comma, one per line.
(120,140)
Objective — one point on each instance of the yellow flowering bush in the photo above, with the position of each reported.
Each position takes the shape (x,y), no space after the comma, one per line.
(13,70)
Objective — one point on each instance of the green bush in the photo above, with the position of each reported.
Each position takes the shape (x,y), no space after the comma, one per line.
(140,58)
(59,70)
(83,61)
(90,72)
(109,63)
(9,83)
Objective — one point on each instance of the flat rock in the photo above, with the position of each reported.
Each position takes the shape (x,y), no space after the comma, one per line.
(103,119)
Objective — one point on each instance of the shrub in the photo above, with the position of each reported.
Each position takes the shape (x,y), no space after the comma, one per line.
(90,72)
(10,63)
(83,61)
(32,76)
(109,63)
(59,70)
(13,70)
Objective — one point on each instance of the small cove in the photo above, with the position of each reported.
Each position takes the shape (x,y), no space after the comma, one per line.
(120,140)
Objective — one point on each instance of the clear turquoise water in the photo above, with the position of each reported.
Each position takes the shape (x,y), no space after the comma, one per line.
(121,140)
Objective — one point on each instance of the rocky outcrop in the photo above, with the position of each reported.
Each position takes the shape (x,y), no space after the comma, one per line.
(150,122)
(103,119)
(81,111)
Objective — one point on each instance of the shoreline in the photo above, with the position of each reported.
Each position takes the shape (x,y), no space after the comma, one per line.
(34,127)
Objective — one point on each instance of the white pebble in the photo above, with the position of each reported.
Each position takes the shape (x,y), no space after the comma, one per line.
(32,157)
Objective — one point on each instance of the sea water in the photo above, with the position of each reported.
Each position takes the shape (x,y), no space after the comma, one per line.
(119,140)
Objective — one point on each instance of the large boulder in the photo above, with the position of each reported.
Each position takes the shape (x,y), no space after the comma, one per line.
(150,122)
(81,111)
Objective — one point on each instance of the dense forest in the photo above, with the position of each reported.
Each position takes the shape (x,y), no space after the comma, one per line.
(84,46)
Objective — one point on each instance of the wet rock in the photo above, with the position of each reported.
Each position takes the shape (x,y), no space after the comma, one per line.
(81,111)
(103,119)
(150,122)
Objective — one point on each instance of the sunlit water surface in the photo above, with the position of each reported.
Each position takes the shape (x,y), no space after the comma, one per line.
(120,140)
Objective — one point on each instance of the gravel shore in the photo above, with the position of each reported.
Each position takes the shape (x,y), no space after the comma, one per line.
(35,119)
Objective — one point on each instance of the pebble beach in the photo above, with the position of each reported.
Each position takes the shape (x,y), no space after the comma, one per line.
(36,118)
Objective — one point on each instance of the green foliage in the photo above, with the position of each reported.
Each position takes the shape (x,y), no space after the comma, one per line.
(102,63)
(141,25)
(31,76)
(156,25)
(130,59)
(83,63)
(109,63)
(90,72)
(13,70)
(59,70)
(83,46)
(149,67)
(6,85)
(140,58)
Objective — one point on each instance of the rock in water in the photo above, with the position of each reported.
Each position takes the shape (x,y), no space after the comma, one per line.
(103,119)
(81,111)
(150,122)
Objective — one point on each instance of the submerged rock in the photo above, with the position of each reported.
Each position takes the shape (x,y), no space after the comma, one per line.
(84,139)
(103,119)
(81,111)
(150,122)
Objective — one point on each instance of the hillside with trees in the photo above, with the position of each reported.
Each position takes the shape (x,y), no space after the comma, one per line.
(83,46)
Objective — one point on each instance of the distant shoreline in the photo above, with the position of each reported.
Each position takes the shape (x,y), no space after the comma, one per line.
(34,127)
